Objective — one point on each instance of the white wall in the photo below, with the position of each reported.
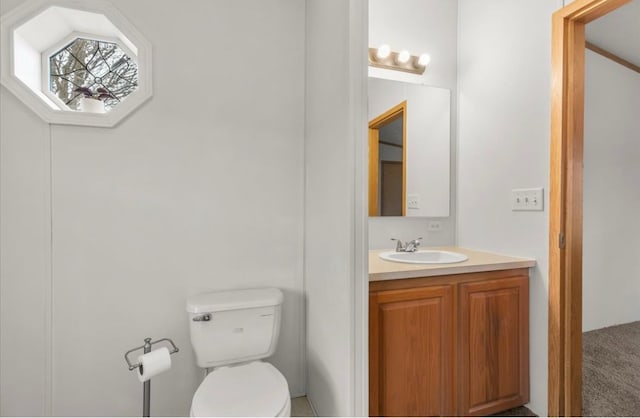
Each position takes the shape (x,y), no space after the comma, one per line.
(167,204)
(503,143)
(390,153)
(611,241)
(420,26)
(25,256)
(336,283)
(25,259)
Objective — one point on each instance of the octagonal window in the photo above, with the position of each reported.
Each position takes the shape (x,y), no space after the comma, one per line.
(75,62)
(92,75)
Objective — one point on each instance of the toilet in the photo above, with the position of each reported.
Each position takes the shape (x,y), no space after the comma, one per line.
(231,333)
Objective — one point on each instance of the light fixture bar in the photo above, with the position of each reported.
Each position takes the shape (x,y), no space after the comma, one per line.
(392,62)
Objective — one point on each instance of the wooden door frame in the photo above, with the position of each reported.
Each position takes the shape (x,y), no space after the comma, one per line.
(398,111)
(565,206)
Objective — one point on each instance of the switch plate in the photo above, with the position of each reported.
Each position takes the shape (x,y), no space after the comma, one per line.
(413,201)
(434,226)
(527,199)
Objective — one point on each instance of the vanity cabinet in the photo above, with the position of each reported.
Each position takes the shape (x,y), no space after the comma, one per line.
(412,352)
(494,345)
(449,345)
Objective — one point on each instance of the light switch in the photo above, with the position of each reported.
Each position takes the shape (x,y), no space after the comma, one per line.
(527,199)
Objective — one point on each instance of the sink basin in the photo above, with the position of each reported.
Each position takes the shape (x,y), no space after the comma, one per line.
(424,257)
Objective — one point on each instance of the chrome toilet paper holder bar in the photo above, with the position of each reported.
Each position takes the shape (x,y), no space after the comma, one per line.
(146,388)
(147,348)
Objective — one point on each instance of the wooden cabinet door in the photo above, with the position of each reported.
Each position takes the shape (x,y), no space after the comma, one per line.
(494,345)
(411,343)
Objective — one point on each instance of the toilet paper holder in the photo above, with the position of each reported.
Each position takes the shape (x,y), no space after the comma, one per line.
(146,388)
(147,348)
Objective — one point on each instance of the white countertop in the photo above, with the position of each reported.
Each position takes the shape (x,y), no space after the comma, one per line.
(478,261)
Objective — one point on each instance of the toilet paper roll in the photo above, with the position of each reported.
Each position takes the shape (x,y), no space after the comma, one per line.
(153,363)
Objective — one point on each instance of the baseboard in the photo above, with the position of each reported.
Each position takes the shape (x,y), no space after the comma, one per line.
(313,408)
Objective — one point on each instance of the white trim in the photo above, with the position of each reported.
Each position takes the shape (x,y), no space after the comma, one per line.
(358,64)
(11,21)
(48,284)
(313,408)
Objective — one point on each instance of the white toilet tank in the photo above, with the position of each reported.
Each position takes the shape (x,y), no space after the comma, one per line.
(234,326)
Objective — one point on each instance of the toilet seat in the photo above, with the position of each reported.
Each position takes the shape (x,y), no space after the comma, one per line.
(256,389)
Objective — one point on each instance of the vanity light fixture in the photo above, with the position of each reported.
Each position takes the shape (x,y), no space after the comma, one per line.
(424,60)
(403,57)
(383,57)
(383,51)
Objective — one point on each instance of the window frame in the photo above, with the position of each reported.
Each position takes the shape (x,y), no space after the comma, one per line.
(39,98)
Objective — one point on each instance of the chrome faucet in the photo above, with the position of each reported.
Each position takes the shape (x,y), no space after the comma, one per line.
(412,246)
(409,247)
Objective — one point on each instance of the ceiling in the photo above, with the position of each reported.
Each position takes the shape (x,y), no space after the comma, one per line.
(619,32)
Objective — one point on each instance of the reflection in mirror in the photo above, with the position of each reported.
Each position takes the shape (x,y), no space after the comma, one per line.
(386,162)
(409,149)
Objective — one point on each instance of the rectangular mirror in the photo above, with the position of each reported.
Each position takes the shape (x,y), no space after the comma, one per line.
(409,149)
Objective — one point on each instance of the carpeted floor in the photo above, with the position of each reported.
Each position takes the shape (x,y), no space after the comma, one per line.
(611,371)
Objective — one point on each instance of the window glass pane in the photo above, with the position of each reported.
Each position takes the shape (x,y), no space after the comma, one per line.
(91,68)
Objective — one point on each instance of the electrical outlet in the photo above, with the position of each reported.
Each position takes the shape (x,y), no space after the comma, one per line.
(434,226)
(413,201)
(527,199)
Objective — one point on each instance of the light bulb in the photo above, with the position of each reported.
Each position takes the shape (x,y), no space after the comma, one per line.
(383,51)
(403,57)
(424,60)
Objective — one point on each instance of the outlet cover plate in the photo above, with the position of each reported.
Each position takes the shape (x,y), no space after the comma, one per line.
(434,226)
(413,201)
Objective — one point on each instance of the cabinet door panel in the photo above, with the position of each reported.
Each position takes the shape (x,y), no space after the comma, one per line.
(494,345)
(411,356)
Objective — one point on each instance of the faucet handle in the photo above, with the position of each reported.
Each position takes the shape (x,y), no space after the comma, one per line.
(413,245)
(399,245)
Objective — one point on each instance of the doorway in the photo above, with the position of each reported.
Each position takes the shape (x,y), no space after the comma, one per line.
(387,162)
(566,202)
(391,188)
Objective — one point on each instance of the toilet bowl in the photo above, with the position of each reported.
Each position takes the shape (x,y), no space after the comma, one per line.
(250,390)
(231,333)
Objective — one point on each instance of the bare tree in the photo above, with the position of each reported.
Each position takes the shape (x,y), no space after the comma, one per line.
(91,64)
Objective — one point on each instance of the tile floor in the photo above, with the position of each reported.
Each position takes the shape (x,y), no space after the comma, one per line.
(300,407)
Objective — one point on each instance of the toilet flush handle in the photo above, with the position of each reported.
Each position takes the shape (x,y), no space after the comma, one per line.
(202,318)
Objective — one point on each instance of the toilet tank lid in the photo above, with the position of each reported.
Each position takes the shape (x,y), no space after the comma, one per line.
(234,299)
